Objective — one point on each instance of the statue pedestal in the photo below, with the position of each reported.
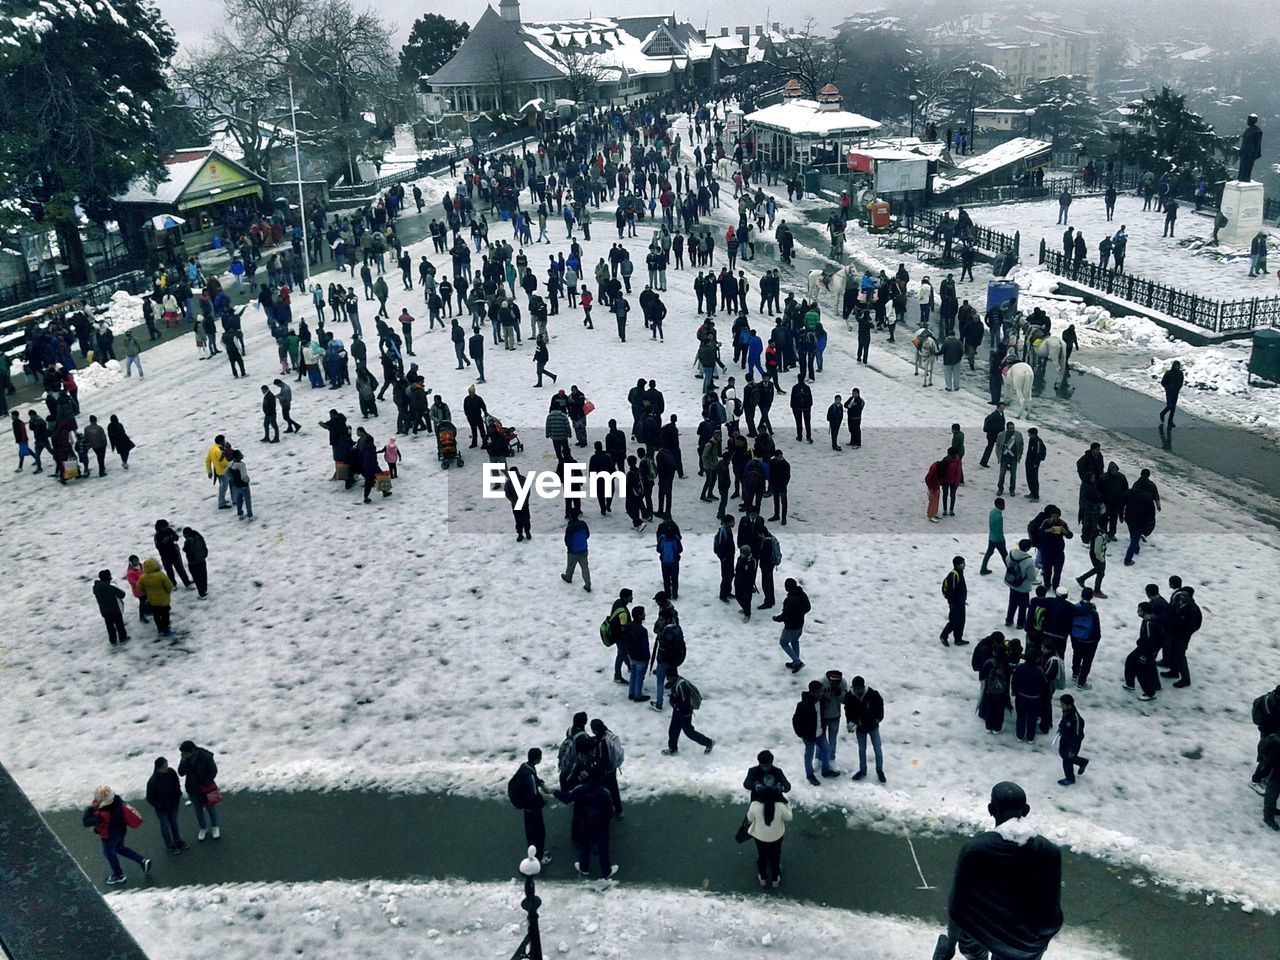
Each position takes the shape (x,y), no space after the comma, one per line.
(1242,206)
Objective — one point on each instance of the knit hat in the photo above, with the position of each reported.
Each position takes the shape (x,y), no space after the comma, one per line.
(103,796)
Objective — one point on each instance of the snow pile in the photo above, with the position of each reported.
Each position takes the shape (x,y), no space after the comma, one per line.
(452,919)
(97,376)
(122,312)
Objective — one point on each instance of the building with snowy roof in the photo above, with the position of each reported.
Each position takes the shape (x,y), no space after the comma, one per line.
(506,61)
(808,134)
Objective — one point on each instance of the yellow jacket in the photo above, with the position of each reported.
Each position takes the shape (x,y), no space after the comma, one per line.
(155,584)
(215,461)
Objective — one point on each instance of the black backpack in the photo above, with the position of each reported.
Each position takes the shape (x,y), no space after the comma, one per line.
(518,789)
(673,646)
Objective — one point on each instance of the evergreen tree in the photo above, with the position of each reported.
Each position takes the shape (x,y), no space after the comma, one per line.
(1169,138)
(1066,113)
(432,43)
(77,121)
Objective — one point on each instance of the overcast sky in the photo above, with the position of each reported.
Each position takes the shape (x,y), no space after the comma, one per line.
(194,21)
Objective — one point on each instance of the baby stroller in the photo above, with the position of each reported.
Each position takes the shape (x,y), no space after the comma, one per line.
(507,437)
(447,444)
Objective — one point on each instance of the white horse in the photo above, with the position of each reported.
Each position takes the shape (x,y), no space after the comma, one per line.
(841,279)
(1050,347)
(817,280)
(724,169)
(1017,387)
(927,351)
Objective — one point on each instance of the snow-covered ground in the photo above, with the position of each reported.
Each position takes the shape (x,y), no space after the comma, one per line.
(1132,351)
(439,919)
(1187,261)
(412,643)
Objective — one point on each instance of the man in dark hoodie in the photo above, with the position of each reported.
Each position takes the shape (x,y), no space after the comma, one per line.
(525,790)
(110,599)
(164,794)
(166,541)
(197,552)
(592,812)
(1007,894)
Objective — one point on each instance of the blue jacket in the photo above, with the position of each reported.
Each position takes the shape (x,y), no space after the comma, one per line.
(669,549)
(576,535)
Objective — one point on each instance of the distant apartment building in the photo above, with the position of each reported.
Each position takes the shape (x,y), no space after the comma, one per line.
(1026,49)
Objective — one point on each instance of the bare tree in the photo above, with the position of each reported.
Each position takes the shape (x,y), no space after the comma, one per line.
(811,59)
(227,87)
(584,73)
(502,81)
(340,59)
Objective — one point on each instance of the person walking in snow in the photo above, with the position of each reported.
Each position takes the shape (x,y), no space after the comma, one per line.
(200,770)
(164,795)
(112,819)
(956,593)
(1172,382)
(1070,739)
(111,605)
(685,700)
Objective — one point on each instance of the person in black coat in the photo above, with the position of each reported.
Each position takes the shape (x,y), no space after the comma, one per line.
(119,440)
(801,408)
(592,812)
(526,791)
(744,580)
(863,712)
(164,794)
(199,770)
(166,541)
(764,767)
(110,599)
(1070,739)
(1139,515)
(723,545)
(779,481)
(1006,897)
(197,552)
(835,420)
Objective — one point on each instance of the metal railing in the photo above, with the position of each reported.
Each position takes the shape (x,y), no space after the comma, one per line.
(1125,182)
(984,238)
(1219,316)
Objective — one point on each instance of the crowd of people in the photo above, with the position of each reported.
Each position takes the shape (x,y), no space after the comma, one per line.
(635,161)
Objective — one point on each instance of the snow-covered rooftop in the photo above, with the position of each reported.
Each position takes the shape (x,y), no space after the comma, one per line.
(803,117)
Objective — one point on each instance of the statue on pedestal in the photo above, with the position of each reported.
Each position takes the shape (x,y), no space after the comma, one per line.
(1250,147)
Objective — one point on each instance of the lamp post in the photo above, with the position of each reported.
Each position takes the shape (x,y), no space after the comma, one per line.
(1124,144)
(531,946)
(1030,112)
(302,207)
(913,98)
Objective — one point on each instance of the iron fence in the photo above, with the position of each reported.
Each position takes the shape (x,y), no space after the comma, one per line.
(1126,181)
(1219,316)
(984,238)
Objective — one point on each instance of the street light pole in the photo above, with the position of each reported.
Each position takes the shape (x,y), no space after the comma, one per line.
(302,206)
(913,98)
(1031,112)
(531,947)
